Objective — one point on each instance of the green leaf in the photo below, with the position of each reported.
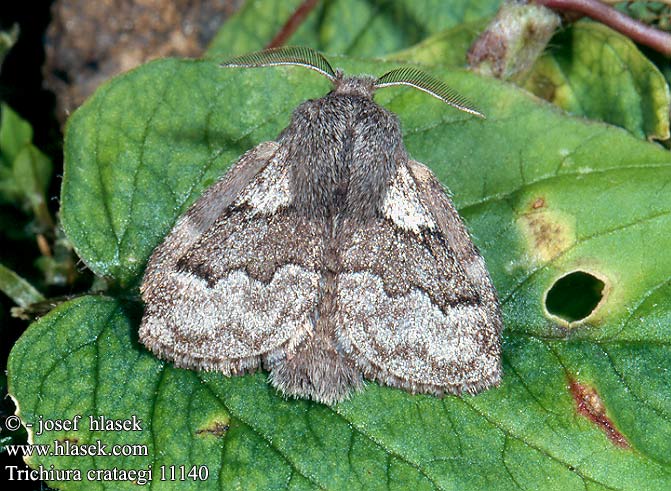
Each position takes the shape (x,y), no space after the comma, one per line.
(32,173)
(19,290)
(250,438)
(590,71)
(252,27)
(15,133)
(544,195)
(354,27)
(25,172)
(655,14)
(8,39)
(4,441)
(10,192)
(448,48)
(596,72)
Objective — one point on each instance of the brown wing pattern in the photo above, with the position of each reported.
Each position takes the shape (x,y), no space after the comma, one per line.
(414,305)
(236,280)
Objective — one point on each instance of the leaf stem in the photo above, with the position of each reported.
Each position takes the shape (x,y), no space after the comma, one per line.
(292,23)
(638,31)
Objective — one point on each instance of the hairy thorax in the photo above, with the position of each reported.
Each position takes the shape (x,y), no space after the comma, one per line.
(343,151)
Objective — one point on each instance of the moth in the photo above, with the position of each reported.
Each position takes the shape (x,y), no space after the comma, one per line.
(328,257)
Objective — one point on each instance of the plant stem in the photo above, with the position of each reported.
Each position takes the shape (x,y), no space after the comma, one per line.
(637,31)
(293,23)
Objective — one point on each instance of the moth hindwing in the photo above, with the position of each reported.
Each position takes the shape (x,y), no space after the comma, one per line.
(328,257)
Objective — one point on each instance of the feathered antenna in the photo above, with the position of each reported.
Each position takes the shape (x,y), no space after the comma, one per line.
(285,55)
(309,58)
(425,82)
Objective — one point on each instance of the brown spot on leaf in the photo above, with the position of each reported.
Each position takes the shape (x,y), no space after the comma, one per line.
(590,405)
(72,440)
(542,85)
(545,232)
(548,232)
(216,428)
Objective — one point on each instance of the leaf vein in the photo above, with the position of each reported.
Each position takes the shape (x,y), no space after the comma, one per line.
(269,441)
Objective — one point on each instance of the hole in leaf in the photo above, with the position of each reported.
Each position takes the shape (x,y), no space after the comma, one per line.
(574,296)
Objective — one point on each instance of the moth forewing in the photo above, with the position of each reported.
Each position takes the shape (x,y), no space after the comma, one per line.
(328,257)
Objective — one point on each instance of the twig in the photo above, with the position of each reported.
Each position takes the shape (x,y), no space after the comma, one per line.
(292,23)
(635,30)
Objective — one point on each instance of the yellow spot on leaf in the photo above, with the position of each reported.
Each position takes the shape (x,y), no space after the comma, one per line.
(548,232)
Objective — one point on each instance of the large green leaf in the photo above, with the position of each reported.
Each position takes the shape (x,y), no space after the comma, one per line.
(448,48)
(596,72)
(588,70)
(354,27)
(582,405)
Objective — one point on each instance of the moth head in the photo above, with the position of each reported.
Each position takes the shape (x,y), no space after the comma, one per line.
(357,86)
(361,86)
